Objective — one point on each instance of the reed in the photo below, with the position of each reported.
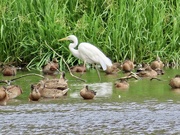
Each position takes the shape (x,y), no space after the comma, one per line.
(137,30)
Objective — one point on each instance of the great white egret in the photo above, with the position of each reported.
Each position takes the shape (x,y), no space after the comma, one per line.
(88,52)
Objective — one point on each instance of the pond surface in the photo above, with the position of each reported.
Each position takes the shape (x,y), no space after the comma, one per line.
(147,107)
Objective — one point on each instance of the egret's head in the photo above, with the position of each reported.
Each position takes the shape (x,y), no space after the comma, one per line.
(70,37)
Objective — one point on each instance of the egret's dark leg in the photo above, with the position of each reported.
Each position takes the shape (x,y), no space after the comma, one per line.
(83,68)
(98,72)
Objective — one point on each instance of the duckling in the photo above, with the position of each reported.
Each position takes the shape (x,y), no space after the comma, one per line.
(4,96)
(78,69)
(127,66)
(14,90)
(51,68)
(35,94)
(122,84)
(148,72)
(86,93)
(9,70)
(175,82)
(157,64)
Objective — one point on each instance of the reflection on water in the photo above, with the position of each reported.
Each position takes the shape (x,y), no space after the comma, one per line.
(148,107)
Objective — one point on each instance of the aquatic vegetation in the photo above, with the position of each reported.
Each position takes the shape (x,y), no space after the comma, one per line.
(138,30)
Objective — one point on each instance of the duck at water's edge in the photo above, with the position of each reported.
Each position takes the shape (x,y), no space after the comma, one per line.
(4,95)
(175,82)
(35,94)
(86,93)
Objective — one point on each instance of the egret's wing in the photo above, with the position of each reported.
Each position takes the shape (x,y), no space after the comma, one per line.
(92,54)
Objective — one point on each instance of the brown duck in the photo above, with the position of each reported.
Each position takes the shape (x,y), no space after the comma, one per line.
(4,96)
(78,69)
(51,67)
(14,90)
(148,72)
(86,93)
(157,64)
(52,88)
(35,94)
(122,84)
(127,66)
(113,69)
(175,82)
(60,83)
(9,71)
(159,71)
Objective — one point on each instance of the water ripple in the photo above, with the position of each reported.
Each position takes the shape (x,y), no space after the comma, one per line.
(149,117)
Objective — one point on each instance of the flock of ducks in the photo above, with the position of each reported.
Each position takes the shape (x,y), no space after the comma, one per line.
(55,88)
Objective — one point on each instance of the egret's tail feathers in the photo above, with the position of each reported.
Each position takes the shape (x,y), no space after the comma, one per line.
(106,62)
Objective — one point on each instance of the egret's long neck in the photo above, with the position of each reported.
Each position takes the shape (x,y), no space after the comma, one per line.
(72,46)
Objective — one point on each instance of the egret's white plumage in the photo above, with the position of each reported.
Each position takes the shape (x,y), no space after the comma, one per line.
(88,52)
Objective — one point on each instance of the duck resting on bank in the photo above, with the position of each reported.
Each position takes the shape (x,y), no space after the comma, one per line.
(14,90)
(34,94)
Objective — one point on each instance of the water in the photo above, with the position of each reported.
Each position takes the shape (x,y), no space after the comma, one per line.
(147,107)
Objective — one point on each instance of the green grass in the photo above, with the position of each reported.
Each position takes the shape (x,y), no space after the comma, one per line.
(137,30)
